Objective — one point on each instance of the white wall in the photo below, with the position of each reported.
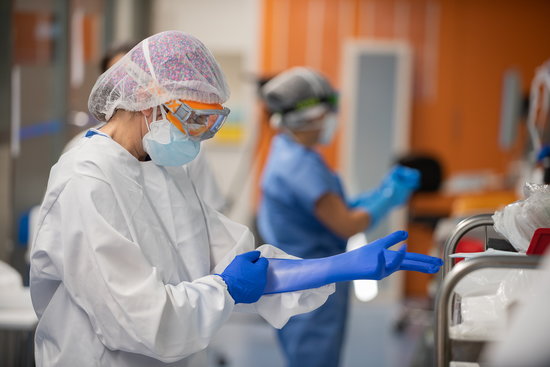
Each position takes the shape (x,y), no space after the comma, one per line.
(230,29)
(220,24)
(123,27)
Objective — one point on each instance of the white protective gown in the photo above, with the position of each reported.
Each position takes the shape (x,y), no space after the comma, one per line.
(199,170)
(122,260)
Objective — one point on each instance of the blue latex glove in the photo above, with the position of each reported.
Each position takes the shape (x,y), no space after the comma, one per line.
(372,261)
(377,203)
(395,190)
(246,277)
(402,181)
(417,262)
(543,153)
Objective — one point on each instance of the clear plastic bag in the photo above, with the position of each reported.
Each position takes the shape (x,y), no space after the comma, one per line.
(485,300)
(518,221)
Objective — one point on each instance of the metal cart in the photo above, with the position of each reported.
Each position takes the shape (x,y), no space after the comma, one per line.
(453,274)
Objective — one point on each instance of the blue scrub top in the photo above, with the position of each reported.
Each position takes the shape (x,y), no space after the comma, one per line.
(295,177)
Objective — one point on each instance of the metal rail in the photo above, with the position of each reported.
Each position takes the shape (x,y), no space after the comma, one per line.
(442,309)
(461,229)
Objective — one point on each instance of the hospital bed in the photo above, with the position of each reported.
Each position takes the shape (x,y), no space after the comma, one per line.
(463,349)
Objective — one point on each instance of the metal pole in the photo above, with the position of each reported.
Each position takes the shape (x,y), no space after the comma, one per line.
(109,17)
(61,73)
(442,308)
(6,164)
(142,18)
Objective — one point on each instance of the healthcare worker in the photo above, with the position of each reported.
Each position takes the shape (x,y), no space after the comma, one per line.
(304,209)
(199,169)
(124,259)
(129,266)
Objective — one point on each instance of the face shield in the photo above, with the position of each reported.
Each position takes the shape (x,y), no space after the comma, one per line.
(330,101)
(298,96)
(305,113)
(199,121)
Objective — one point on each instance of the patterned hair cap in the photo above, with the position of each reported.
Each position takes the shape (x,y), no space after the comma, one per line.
(166,66)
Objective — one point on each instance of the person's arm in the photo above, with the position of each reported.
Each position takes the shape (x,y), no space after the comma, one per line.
(394,191)
(334,213)
(227,240)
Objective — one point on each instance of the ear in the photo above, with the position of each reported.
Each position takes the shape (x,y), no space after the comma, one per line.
(147,113)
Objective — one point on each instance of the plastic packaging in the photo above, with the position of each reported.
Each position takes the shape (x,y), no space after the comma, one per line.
(518,221)
(485,301)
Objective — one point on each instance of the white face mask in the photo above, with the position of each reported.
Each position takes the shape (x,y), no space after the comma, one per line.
(329,128)
(166,145)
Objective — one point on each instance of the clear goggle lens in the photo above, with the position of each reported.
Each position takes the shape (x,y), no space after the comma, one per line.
(199,121)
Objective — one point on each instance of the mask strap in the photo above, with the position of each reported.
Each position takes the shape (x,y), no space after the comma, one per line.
(147,122)
(162,112)
(288,132)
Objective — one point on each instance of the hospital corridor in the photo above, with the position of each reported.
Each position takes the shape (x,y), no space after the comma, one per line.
(275,183)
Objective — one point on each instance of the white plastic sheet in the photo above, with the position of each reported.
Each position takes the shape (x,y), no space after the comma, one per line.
(518,221)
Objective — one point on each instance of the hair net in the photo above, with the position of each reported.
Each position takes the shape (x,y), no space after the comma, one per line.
(166,66)
(284,92)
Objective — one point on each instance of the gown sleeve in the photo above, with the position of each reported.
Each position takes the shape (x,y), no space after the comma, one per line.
(229,239)
(107,275)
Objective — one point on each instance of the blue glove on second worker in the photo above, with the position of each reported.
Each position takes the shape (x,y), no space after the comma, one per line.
(246,277)
(395,190)
(372,261)
(402,181)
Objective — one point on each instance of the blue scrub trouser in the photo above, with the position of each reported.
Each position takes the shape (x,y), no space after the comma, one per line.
(315,339)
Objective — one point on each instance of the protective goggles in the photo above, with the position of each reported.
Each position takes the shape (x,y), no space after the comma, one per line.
(200,121)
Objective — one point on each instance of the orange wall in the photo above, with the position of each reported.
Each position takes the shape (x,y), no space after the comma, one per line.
(461,49)
(33,44)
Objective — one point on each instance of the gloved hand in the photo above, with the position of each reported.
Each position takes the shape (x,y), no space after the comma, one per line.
(372,261)
(246,276)
(417,262)
(395,190)
(402,181)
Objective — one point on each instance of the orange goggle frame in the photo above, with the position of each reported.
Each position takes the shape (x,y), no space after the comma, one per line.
(200,121)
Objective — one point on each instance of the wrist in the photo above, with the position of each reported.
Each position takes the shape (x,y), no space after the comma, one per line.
(336,268)
(377,210)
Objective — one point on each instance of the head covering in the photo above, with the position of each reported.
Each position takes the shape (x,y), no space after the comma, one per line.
(299,95)
(166,66)
(116,50)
